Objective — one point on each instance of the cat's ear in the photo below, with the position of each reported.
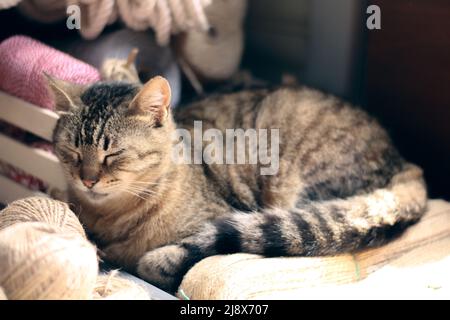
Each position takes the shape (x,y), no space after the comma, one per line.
(64,93)
(153,99)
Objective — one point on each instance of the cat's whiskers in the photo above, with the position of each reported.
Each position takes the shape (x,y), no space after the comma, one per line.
(153,192)
(141,189)
(142,192)
(146,183)
(134,194)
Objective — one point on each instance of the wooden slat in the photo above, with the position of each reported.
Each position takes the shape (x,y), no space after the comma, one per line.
(27,116)
(10,191)
(36,162)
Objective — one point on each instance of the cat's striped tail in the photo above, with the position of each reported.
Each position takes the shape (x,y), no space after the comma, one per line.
(311,229)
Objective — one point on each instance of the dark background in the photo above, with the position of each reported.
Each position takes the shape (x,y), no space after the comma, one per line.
(408,83)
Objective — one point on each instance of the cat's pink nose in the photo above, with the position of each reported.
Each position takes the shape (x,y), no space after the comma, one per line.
(89,183)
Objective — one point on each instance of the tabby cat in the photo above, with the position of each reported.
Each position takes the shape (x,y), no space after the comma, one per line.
(341,185)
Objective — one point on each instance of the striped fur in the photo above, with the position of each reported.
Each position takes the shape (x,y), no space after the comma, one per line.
(341,185)
(310,229)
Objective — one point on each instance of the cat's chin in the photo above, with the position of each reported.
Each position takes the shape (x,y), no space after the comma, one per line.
(94,197)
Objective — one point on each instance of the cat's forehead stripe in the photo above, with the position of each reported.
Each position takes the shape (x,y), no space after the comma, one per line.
(104,93)
(101,102)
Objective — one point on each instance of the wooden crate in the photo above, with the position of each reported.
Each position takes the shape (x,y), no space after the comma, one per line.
(36,162)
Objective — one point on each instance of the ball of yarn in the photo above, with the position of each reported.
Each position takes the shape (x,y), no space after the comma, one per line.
(41,209)
(23,61)
(112,286)
(39,262)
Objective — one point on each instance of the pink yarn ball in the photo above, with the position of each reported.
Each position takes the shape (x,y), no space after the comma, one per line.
(23,61)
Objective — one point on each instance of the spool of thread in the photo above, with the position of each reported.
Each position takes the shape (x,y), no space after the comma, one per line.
(41,209)
(22,65)
(40,262)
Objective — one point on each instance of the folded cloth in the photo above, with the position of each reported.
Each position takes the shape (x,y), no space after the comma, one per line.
(23,61)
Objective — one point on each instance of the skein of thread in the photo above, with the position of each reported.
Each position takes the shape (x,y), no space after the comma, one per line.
(41,209)
(40,262)
(22,65)
(165,17)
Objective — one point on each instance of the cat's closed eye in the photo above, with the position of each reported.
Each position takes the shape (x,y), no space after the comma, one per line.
(109,158)
(71,155)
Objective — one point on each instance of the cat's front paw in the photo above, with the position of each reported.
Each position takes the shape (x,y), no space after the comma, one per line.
(166,266)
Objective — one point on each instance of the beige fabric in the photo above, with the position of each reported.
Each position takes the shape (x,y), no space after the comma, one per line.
(415,265)
(215,56)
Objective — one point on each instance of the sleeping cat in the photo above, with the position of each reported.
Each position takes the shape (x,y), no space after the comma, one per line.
(341,185)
